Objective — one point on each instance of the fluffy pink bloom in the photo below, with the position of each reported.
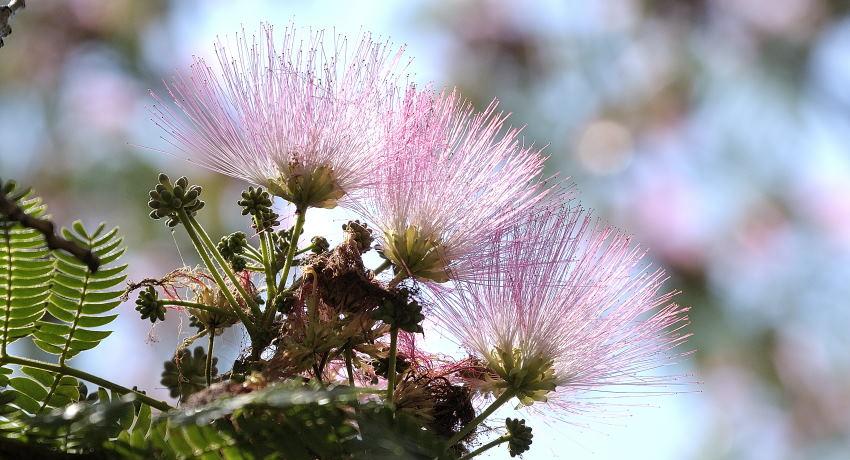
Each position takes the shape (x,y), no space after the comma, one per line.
(567,316)
(451,177)
(302,117)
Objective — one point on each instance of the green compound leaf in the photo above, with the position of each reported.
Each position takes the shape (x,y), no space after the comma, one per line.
(80,298)
(35,280)
(26,274)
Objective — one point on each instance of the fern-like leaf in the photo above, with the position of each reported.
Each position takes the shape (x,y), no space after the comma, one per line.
(26,272)
(79,297)
(35,280)
(26,278)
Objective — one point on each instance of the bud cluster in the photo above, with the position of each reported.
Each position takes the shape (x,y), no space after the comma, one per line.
(520,436)
(149,306)
(281,240)
(167,199)
(232,247)
(258,203)
(184,374)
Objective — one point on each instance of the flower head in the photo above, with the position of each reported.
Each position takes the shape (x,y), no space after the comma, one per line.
(566,313)
(451,177)
(300,117)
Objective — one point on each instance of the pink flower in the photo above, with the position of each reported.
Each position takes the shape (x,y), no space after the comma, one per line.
(451,177)
(301,117)
(565,315)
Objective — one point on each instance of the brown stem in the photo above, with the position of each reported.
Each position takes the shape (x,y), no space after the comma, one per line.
(47,228)
(6,12)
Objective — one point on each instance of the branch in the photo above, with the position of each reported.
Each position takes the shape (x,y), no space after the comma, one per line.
(14,212)
(62,369)
(6,12)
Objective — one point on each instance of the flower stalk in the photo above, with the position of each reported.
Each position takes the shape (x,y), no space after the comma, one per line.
(199,247)
(267,261)
(290,255)
(391,373)
(196,305)
(500,440)
(499,402)
(208,366)
(225,267)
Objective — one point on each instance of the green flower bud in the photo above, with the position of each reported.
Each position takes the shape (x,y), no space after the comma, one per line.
(531,378)
(238,263)
(258,203)
(149,306)
(167,199)
(520,436)
(186,373)
(420,254)
(232,245)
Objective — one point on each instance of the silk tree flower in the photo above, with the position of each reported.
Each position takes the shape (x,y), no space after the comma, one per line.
(301,117)
(567,316)
(450,178)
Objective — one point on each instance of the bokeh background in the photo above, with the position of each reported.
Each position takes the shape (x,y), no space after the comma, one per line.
(716,131)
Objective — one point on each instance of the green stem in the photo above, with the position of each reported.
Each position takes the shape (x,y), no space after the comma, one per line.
(196,305)
(199,247)
(287,265)
(252,253)
(303,250)
(272,254)
(486,447)
(65,370)
(502,399)
(293,245)
(268,260)
(208,368)
(225,267)
(349,366)
(391,374)
(387,264)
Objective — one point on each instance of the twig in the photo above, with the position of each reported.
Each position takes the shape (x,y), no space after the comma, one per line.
(6,12)
(14,212)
